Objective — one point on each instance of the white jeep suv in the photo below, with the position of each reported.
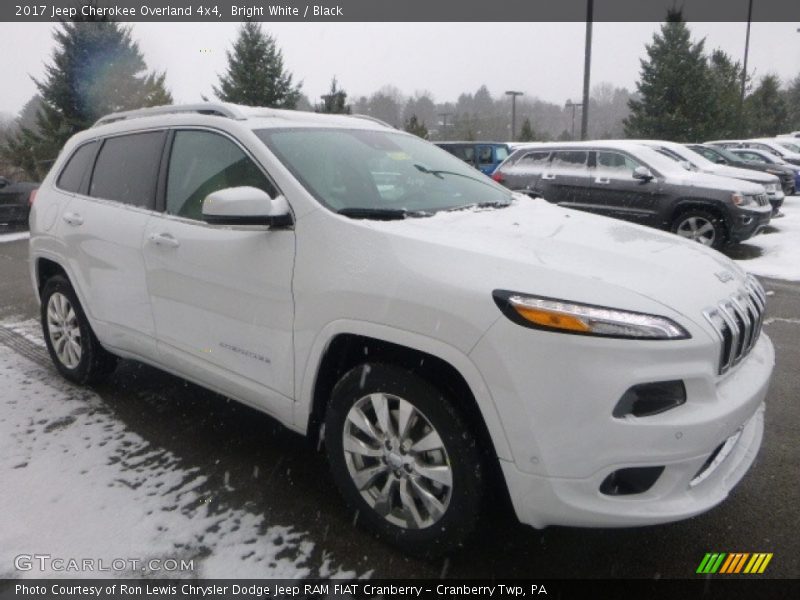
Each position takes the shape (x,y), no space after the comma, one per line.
(439,333)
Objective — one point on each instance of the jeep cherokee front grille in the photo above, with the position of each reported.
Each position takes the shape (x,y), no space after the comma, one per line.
(738,320)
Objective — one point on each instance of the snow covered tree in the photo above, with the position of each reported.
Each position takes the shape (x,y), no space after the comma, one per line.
(255,75)
(96,69)
(765,108)
(527,134)
(417,127)
(674,101)
(335,101)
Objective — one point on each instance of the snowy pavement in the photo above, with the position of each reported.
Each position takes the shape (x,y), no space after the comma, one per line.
(76,483)
(775,252)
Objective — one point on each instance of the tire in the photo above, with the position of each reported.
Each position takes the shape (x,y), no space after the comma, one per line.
(403,494)
(72,345)
(701,226)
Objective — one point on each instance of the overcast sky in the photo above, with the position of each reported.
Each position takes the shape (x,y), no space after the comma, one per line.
(540,59)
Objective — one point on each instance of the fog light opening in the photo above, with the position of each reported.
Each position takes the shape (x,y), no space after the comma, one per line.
(627,482)
(647,399)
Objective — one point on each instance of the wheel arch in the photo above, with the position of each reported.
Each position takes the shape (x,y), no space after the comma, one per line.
(343,345)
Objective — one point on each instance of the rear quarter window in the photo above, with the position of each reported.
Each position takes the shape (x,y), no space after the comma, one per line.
(127,168)
(75,170)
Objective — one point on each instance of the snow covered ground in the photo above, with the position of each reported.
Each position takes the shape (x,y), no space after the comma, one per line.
(75,483)
(776,252)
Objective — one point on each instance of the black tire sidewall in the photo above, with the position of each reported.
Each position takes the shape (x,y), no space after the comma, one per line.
(462,450)
(84,372)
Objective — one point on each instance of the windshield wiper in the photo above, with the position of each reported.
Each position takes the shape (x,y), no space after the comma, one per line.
(438,173)
(381,214)
(492,204)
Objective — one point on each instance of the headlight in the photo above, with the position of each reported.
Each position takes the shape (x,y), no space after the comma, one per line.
(585,319)
(741,200)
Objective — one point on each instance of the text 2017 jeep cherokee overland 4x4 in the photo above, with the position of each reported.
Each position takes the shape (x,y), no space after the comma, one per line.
(360,284)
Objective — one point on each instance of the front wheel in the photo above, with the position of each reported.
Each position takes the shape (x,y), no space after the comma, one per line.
(700,226)
(404,458)
(72,345)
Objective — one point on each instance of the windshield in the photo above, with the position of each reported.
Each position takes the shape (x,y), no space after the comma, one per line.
(380,174)
(727,154)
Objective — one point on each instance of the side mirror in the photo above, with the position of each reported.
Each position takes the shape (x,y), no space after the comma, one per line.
(246,206)
(643,173)
(3,182)
(722,161)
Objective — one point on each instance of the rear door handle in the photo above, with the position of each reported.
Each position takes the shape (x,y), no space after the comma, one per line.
(72,218)
(602,180)
(164,239)
(548,176)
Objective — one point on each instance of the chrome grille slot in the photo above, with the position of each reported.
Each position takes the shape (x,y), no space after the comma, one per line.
(738,321)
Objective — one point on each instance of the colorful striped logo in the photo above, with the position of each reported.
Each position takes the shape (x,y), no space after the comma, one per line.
(734,562)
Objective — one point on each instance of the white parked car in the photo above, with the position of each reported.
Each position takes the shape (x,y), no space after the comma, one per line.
(438,333)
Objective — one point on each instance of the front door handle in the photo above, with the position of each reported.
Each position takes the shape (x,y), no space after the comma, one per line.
(164,239)
(72,218)
(602,180)
(548,176)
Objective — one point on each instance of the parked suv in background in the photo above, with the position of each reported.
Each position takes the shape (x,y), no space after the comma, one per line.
(754,155)
(697,162)
(627,180)
(484,156)
(768,145)
(436,333)
(724,156)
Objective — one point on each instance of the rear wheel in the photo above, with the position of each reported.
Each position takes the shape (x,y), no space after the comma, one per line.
(404,458)
(72,345)
(701,226)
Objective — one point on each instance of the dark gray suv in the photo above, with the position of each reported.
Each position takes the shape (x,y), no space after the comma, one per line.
(629,181)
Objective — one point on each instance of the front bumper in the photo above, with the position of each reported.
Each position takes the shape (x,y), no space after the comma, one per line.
(565,441)
(744,224)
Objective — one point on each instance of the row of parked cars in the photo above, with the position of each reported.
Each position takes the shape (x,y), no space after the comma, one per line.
(446,341)
(718,193)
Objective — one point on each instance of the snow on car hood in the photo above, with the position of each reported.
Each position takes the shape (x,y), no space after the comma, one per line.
(755,176)
(535,247)
(720,181)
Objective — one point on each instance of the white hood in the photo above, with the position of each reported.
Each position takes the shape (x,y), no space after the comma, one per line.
(747,174)
(724,182)
(535,247)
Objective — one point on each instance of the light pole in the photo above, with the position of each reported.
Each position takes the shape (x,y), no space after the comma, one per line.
(587,68)
(444,122)
(513,95)
(746,51)
(573,106)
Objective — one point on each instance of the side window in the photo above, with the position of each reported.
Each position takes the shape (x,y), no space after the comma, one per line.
(616,164)
(570,160)
(127,169)
(534,160)
(73,173)
(500,153)
(485,155)
(202,162)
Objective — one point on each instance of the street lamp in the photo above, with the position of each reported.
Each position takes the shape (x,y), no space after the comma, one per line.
(587,67)
(513,95)
(573,106)
(746,51)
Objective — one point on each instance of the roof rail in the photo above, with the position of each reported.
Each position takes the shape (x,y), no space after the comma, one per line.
(219,109)
(374,120)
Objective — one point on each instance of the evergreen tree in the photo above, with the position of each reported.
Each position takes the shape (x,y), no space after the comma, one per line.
(675,101)
(255,75)
(417,127)
(527,134)
(792,98)
(725,78)
(96,69)
(335,101)
(765,108)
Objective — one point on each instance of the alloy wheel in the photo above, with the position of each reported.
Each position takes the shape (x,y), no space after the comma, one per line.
(64,330)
